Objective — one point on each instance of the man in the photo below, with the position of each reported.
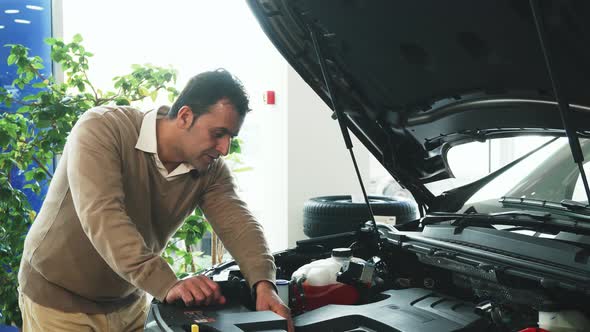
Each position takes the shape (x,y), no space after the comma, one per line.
(124,184)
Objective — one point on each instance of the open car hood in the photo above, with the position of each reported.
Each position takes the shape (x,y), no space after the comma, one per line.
(414,78)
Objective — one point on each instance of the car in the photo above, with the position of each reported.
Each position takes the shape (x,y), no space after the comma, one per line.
(413,80)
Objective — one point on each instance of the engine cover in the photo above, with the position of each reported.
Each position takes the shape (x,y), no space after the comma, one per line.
(228,318)
(407,310)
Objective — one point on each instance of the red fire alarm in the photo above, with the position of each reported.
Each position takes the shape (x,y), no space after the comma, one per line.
(269,97)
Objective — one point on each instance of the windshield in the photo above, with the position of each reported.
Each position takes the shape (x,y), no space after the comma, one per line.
(548,174)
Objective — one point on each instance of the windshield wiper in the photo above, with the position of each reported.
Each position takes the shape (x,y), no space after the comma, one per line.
(576,210)
(541,222)
(574,205)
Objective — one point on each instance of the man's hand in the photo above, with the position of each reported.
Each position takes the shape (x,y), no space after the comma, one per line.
(268,299)
(198,290)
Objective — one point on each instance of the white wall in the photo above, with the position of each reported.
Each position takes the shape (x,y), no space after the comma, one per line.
(318,162)
(264,187)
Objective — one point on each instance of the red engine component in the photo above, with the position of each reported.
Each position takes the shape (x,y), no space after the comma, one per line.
(305,297)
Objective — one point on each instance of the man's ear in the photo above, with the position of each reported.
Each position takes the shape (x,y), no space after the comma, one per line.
(184,117)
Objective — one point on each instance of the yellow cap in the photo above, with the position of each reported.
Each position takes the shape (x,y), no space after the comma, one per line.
(194,328)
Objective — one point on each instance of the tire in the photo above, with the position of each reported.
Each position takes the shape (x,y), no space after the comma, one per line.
(336,214)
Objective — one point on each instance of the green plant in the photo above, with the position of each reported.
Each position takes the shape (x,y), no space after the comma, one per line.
(180,252)
(16,216)
(36,133)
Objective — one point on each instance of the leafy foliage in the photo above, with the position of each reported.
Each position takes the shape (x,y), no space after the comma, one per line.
(16,216)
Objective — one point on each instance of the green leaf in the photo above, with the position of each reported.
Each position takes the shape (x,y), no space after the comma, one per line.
(235,146)
(29,98)
(11,59)
(242,169)
(4,139)
(143,91)
(39,175)
(190,238)
(32,186)
(77,38)
(43,123)
(23,109)
(38,65)
(122,102)
(29,175)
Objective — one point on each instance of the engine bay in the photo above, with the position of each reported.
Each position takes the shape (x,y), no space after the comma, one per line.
(437,279)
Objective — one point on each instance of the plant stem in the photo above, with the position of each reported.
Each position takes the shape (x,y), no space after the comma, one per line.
(42,167)
(190,251)
(37,72)
(91,86)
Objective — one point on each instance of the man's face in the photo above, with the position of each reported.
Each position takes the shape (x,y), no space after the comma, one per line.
(211,134)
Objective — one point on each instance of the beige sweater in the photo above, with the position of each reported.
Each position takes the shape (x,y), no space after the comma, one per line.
(95,245)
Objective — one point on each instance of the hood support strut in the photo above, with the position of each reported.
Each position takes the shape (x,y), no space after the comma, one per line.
(340,117)
(562,102)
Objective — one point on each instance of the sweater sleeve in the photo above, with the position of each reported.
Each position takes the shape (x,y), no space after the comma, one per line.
(95,178)
(237,228)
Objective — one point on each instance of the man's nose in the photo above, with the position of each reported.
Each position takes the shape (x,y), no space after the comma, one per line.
(223,145)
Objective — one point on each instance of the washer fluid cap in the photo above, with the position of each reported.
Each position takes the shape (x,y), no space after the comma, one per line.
(342,252)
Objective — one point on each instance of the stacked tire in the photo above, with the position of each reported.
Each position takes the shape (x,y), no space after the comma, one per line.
(336,214)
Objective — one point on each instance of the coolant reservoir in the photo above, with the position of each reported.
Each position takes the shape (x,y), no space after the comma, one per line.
(315,285)
(564,321)
(324,271)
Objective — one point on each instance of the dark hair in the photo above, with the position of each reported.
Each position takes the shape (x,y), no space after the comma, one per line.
(207,88)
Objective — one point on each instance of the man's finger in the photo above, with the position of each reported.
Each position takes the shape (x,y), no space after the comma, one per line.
(284,312)
(198,290)
(216,297)
(187,298)
(281,310)
(215,289)
(210,289)
(198,294)
(203,289)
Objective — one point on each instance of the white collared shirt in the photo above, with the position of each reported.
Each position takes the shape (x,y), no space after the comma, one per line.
(148,142)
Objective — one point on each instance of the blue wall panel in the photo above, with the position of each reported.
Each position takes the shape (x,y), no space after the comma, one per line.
(26,22)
